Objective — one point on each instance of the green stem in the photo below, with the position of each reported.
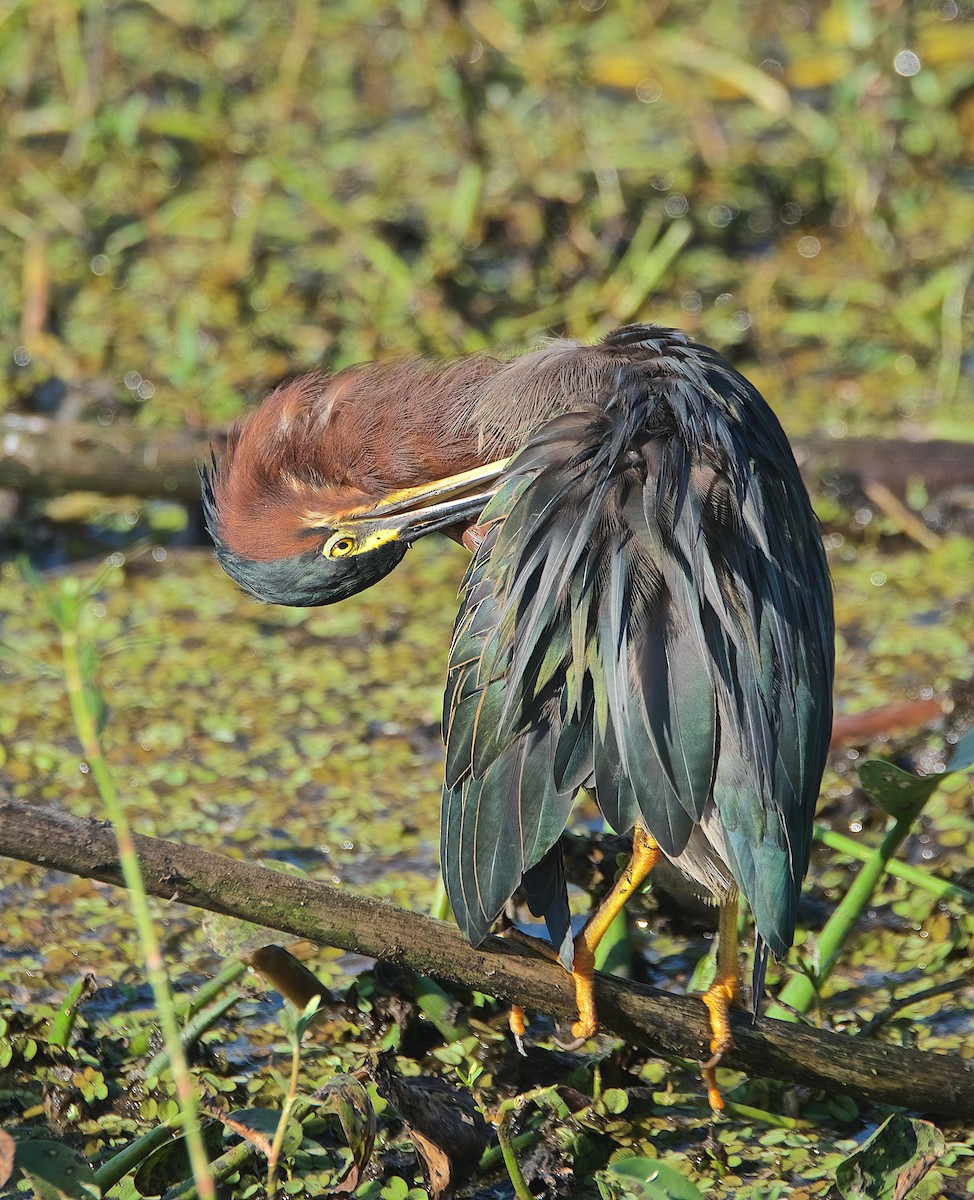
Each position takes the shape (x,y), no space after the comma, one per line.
(506,1143)
(190,1035)
(281,1130)
(942,889)
(776,1120)
(501,1121)
(220,1168)
(798,994)
(235,1159)
(495,1155)
(190,1005)
(86,726)
(63,1023)
(134,1154)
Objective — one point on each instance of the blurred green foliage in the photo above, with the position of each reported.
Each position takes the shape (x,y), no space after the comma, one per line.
(197,199)
(200,198)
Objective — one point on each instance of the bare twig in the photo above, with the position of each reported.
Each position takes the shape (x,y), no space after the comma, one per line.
(931,993)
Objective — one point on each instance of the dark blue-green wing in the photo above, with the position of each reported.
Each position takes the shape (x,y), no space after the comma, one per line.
(746,529)
(503,813)
(649,615)
(572,663)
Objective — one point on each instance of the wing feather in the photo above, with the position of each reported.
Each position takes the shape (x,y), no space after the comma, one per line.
(650,615)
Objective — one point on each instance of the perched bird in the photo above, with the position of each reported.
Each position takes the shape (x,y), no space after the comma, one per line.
(647,613)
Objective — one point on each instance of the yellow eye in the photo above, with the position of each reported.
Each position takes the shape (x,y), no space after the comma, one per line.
(340,546)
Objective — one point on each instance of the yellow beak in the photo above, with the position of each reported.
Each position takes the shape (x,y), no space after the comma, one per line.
(416,511)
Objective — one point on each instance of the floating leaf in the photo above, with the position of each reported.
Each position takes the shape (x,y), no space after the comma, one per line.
(646,1177)
(892,1162)
(55,1170)
(615,1101)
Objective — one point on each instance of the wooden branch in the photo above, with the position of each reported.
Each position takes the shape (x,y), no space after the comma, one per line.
(669,1025)
(44,457)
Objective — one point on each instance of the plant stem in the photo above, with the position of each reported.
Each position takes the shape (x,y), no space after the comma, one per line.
(190,1034)
(86,726)
(135,1153)
(941,888)
(798,994)
(279,1133)
(501,1120)
(518,1182)
(187,1007)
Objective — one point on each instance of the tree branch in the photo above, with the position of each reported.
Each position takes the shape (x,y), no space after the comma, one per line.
(666,1024)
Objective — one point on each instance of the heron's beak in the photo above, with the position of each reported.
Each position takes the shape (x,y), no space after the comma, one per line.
(411,513)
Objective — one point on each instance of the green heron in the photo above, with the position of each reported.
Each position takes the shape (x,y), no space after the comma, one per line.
(647,613)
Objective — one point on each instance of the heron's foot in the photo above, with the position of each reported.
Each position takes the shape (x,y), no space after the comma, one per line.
(723,994)
(543,949)
(517,1026)
(565,1040)
(645,854)
(583,976)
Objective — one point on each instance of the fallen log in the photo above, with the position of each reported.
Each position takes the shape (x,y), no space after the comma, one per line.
(41,457)
(44,457)
(942,465)
(673,1026)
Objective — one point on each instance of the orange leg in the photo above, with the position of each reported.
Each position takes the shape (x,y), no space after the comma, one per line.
(645,854)
(517,1026)
(722,995)
(515,1018)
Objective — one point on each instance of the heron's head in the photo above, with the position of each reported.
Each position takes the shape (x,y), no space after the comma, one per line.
(319,497)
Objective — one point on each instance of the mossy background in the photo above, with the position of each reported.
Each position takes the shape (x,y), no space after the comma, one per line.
(197,200)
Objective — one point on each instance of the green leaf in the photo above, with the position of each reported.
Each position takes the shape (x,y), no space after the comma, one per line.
(892,1162)
(355,1111)
(615,1101)
(897,792)
(310,1011)
(55,1170)
(395,1188)
(649,1178)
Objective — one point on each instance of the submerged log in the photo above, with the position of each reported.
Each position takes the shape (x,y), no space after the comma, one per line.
(673,1026)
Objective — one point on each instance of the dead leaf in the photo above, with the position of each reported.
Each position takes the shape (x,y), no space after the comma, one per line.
(443,1122)
(6,1156)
